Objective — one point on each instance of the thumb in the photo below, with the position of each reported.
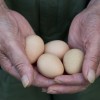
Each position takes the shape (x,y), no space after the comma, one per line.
(18,59)
(91,61)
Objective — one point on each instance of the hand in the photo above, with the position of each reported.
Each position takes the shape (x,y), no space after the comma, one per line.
(84,34)
(13,31)
(68,84)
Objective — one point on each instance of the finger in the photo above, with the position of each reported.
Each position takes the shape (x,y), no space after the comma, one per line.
(7,66)
(41,81)
(17,56)
(61,89)
(91,60)
(75,79)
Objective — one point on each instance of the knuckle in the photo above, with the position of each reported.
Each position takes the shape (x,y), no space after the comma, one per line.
(19,67)
(23,68)
(94,59)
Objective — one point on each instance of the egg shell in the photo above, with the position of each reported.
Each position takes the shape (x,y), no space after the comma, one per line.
(73,60)
(34,47)
(56,47)
(50,65)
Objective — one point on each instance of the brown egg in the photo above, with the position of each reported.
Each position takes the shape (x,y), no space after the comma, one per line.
(34,47)
(56,47)
(73,60)
(50,65)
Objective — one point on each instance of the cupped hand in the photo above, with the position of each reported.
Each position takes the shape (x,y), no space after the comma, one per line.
(84,34)
(68,84)
(13,31)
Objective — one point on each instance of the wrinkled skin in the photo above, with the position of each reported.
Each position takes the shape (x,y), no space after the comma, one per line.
(84,34)
(13,31)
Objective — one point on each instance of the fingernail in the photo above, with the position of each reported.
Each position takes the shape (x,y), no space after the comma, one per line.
(58,81)
(25,81)
(44,90)
(52,91)
(91,76)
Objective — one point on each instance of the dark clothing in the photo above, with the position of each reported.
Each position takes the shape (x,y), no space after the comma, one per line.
(49,18)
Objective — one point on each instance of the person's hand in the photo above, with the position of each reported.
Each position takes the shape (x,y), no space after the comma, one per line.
(84,34)
(13,31)
(68,84)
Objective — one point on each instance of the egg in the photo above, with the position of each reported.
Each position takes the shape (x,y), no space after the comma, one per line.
(73,60)
(50,65)
(34,47)
(56,47)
